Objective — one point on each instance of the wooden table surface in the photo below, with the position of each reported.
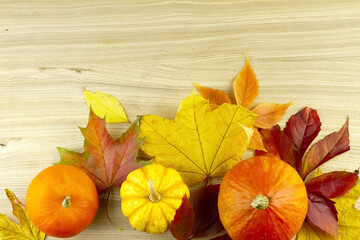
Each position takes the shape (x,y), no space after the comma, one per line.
(148,54)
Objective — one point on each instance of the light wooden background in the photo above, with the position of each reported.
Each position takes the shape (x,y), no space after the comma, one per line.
(148,54)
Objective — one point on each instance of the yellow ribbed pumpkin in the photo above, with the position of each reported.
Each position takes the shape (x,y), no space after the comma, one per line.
(150,197)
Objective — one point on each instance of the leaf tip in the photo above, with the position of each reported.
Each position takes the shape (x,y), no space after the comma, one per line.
(7,191)
(246,58)
(194,92)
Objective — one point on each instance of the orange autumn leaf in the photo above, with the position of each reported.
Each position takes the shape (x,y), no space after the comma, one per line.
(269,114)
(216,97)
(246,90)
(246,87)
(256,141)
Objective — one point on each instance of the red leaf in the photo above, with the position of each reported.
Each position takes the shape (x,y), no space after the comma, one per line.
(222,237)
(199,216)
(322,213)
(333,184)
(277,144)
(327,148)
(106,161)
(183,224)
(207,220)
(302,128)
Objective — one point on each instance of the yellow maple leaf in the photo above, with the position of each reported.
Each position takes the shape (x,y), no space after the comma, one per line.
(348,215)
(105,105)
(26,230)
(200,143)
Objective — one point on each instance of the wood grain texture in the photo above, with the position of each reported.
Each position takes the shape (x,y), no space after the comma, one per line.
(148,54)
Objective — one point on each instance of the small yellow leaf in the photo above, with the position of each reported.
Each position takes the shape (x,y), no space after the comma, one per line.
(256,142)
(105,105)
(310,232)
(200,143)
(216,97)
(349,216)
(26,230)
(269,114)
(246,87)
(318,172)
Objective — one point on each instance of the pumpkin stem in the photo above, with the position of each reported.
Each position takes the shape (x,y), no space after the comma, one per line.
(154,195)
(66,203)
(260,202)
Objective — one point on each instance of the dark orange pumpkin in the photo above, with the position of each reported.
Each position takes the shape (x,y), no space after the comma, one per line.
(262,198)
(62,201)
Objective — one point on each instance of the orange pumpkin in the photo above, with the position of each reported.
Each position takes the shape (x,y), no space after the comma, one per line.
(262,198)
(62,201)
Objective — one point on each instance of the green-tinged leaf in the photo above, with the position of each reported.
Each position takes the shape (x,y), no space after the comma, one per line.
(105,105)
(12,231)
(105,160)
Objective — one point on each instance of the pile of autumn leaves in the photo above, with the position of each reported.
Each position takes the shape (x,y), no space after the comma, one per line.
(208,136)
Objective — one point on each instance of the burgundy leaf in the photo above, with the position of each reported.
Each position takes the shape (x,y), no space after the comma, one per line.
(277,144)
(207,221)
(302,128)
(333,184)
(322,213)
(222,237)
(327,148)
(183,224)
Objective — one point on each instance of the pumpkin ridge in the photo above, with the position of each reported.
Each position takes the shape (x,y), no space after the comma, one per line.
(149,218)
(164,201)
(137,210)
(174,185)
(136,185)
(161,179)
(163,214)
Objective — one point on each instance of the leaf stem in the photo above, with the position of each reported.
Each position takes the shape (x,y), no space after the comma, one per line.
(106,209)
